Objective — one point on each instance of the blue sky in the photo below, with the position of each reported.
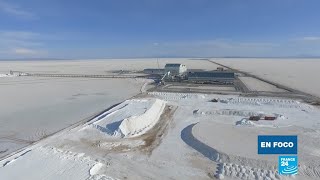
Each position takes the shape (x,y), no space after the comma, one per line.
(162,28)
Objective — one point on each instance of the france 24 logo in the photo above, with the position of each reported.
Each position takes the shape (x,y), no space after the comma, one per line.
(288,165)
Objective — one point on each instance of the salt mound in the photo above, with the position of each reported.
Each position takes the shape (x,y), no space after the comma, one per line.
(138,125)
(95,169)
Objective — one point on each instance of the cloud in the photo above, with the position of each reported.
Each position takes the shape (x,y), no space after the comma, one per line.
(306,39)
(17,44)
(19,34)
(25,51)
(15,10)
(311,38)
(20,38)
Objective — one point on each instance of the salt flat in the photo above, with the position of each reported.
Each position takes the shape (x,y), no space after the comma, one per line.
(98,66)
(154,135)
(299,74)
(34,107)
(257,85)
(193,138)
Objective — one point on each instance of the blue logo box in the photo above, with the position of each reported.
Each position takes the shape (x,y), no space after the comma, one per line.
(288,165)
(270,144)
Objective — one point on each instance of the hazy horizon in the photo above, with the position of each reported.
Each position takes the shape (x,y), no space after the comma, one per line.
(159,58)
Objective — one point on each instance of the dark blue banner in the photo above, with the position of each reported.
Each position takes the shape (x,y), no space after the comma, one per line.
(270,144)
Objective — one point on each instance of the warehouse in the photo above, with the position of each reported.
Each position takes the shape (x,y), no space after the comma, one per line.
(211,76)
(175,69)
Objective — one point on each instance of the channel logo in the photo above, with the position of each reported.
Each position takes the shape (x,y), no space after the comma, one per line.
(270,144)
(288,165)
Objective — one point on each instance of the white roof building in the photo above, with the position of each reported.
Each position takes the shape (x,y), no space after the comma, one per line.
(175,69)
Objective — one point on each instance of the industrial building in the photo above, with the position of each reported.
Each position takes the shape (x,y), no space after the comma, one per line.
(175,69)
(220,69)
(169,70)
(179,72)
(211,76)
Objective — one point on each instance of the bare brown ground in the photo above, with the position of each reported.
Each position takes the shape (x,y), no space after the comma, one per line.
(154,137)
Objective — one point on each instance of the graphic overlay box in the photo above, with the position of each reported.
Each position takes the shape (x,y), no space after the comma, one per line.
(288,165)
(270,144)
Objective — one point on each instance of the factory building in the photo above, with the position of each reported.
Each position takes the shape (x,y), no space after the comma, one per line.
(211,76)
(175,69)
(179,72)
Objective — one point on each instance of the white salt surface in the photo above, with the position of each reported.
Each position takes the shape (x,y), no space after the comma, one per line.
(173,158)
(129,118)
(222,126)
(54,164)
(257,85)
(295,73)
(116,127)
(34,107)
(98,66)
(137,125)
(179,154)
